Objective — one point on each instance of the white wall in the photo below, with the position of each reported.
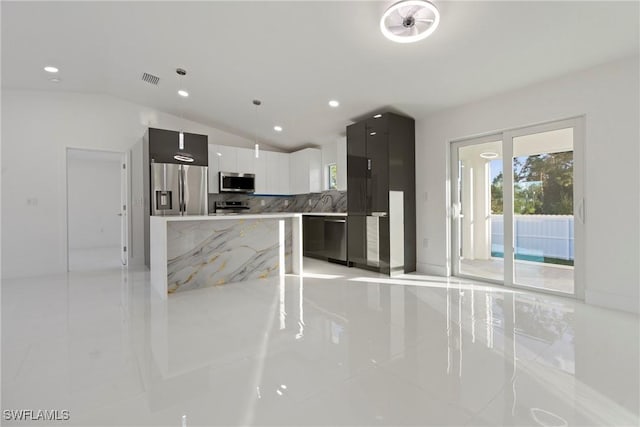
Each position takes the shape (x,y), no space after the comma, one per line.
(94,202)
(37,129)
(609,98)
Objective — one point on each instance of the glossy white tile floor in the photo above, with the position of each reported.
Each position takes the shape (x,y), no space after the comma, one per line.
(337,347)
(91,259)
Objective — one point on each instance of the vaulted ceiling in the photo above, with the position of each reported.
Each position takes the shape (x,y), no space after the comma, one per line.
(295,56)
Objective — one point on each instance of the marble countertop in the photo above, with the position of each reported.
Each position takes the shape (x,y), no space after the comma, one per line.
(223,217)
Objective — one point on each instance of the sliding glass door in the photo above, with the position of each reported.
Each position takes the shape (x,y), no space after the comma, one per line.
(521,228)
(478,239)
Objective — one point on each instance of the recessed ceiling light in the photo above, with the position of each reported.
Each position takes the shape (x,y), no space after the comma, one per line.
(489,155)
(409,21)
(333,103)
(50,69)
(183,93)
(372,133)
(277,128)
(219,154)
(377,116)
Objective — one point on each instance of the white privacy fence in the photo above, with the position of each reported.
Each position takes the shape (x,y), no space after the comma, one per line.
(536,236)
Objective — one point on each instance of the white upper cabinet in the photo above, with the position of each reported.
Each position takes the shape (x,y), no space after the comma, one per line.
(260,169)
(306,171)
(284,162)
(214,168)
(277,165)
(271,168)
(228,158)
(246,161)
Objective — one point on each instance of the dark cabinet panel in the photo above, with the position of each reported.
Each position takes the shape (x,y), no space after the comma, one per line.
(357,238)
(380,171)
(313,235)
(357,173)
(335,238)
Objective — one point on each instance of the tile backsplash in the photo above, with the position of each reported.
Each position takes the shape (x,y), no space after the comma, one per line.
(327,201)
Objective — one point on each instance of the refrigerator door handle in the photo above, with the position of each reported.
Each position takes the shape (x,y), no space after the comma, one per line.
(181,190)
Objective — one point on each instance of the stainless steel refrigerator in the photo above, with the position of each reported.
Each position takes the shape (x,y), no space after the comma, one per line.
(178,189)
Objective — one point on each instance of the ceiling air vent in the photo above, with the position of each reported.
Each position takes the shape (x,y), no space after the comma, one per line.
(150,78)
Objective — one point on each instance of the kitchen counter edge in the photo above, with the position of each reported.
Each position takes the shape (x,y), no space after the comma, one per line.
(224,217)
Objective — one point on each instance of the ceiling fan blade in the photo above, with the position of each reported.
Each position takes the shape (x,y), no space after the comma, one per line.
(408,11)
(396,28)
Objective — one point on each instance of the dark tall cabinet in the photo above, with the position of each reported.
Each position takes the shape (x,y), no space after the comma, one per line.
(381,222)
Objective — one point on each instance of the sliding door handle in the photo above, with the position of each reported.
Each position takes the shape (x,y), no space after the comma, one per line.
(580,211)
(368,164)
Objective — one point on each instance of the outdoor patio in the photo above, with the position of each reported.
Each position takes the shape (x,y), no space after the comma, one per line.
(533,274)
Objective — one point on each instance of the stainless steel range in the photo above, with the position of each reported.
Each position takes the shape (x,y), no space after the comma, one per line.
(230,207)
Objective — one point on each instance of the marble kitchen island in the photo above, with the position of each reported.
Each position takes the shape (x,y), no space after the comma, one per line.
(192,252)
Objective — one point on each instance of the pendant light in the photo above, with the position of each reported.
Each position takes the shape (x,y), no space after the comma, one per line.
(181,155)
(257,103)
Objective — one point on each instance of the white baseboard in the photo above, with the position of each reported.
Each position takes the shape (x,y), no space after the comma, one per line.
(613,301)
(432,269)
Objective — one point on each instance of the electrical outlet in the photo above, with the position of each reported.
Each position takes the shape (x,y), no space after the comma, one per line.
(425,243)
(33,201)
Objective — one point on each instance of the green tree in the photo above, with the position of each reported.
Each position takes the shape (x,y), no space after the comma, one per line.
(496,194)
(553,173)
(543,184)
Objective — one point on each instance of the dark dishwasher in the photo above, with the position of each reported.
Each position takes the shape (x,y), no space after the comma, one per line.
(325,237)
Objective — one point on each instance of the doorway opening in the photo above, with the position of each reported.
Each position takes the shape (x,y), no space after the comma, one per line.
(517,204)
(96,210)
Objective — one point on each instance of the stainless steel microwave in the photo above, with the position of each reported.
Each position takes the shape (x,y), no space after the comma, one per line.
(231,182)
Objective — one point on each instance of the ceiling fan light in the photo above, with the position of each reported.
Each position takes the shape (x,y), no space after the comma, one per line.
(409,21)
(184,157)
(489,155)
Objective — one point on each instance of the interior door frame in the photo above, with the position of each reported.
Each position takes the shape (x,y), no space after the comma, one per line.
(507,136)
(125,180)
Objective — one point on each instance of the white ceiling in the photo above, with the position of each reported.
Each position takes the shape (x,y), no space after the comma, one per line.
(297,55)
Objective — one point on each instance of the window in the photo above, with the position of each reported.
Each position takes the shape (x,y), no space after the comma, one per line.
(332,174)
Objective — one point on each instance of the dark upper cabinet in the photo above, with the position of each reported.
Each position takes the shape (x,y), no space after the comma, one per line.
(381,193)
(357,169)
(164,144)
(378,169)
